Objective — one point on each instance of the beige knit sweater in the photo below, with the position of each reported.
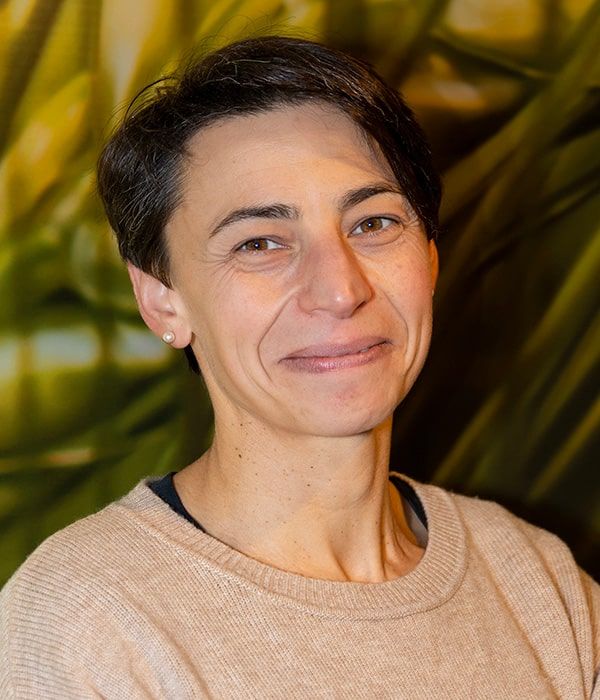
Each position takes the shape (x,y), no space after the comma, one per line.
(134,602)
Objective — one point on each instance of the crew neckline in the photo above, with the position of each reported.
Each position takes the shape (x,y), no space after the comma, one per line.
(433,581)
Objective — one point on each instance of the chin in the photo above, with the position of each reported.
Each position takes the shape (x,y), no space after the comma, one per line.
(341,422)
(353,411)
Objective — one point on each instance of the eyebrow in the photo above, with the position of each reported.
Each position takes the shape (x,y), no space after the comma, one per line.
(285,211)
(266,211)
(354,197)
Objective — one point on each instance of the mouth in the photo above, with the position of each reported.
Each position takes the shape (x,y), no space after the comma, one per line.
(336,356)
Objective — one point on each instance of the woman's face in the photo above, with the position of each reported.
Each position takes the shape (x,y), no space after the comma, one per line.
(300,272)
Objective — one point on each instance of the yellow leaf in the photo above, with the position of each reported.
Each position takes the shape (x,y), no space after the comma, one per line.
(39,156)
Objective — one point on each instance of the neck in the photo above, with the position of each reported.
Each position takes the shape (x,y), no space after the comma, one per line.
(320,507)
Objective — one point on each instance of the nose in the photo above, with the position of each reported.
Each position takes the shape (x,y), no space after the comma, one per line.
(334,280)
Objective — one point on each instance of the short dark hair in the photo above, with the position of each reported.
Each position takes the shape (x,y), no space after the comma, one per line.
(141,166)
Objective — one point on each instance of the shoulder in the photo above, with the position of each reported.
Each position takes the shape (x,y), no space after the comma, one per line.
(80,548)
(511,545)
(78,567)
(67,595)
(524,561)
(532,572)
(492,535)
(497,534)
(514,546)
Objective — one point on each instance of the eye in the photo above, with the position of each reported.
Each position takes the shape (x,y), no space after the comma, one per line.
(373,224)
(258,245)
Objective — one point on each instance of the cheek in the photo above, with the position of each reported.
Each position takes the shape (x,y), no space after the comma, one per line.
(407,283)
(230,318)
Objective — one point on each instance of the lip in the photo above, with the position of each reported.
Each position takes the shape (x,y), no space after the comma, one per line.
(335,356)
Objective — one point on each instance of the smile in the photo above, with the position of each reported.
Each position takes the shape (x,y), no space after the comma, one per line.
(327,358)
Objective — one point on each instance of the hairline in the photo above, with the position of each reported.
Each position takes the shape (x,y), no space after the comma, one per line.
(185,161)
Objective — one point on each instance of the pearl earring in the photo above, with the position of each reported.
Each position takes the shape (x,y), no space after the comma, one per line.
(168,337)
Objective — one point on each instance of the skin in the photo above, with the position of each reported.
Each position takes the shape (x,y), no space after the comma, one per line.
(277,307)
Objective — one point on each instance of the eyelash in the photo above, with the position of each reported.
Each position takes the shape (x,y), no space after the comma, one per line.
(391,221)
(256,240)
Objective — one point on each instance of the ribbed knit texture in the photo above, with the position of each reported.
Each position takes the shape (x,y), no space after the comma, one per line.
(135,602)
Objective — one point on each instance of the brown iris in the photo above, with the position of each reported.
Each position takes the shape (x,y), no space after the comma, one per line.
(374,224)
(256,244)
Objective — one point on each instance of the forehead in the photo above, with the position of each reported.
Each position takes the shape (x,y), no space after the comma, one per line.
(278,150)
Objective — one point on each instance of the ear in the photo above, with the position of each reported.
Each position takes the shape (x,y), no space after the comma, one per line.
(160,306)
(434,262)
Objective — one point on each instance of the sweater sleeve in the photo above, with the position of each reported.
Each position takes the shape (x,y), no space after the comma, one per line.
(38,647)
(580,595)
(555,602)
(592,591)
(581,598)
(66,622)
(74,623)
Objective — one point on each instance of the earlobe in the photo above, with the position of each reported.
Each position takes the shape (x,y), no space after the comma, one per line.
(157,305)
(434,263)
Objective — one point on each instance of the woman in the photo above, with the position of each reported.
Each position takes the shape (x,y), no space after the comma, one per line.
(277,208)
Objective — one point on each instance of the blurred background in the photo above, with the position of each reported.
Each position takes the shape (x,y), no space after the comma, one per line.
(507,406)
